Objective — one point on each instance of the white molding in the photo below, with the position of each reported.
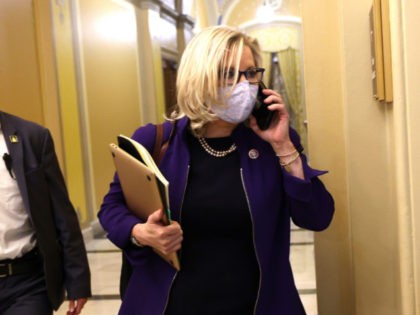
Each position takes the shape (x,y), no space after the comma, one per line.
(276,20)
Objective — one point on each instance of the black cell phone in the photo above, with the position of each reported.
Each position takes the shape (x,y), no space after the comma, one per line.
(261,113)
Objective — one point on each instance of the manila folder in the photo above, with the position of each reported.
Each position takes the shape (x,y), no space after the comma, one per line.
(140,188)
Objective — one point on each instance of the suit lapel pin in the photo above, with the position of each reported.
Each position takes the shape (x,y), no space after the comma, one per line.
(14,139)
(253,154)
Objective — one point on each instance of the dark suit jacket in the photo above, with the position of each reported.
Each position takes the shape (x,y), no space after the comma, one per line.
(45,197)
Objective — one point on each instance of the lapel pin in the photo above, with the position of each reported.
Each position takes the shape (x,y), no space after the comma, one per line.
(253,154)
(14,139)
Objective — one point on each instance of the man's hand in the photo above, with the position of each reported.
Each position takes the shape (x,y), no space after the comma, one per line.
(75,306)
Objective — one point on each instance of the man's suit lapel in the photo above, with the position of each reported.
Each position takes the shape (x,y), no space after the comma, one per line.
(14,142)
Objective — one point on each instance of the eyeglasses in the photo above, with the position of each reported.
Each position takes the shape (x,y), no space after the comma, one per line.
(253,75)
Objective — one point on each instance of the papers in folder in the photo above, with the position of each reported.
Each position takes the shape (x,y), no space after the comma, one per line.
(144,187)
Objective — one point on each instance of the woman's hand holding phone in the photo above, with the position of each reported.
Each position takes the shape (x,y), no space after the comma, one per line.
(277,134)
(262,114)
(277,130)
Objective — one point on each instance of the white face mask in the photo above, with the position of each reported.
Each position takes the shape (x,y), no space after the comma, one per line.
(239,104)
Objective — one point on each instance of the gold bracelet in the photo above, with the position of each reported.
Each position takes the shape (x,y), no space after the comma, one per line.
(283,164)
(286,154)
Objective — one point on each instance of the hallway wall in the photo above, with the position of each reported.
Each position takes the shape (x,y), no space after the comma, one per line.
(109,92)
(366,260)
(30,85)
(325,111)
(68,105)
(406,63)
(19,71)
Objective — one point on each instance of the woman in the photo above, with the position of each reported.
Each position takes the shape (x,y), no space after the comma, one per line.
(233,190)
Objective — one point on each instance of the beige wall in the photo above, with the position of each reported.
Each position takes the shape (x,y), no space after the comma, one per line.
(30,82)
(19,73)
(410,11)
(109,86)
(28,86)
(366,260)
(68,107)
(406,64)
(120,80)
(322,48)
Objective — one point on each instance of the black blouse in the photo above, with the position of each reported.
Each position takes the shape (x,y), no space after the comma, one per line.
(219,270)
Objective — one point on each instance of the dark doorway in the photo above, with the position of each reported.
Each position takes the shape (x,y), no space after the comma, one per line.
(169,80)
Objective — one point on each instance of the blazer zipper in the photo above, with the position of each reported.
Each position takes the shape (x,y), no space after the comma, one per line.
(180,220)
(253,241)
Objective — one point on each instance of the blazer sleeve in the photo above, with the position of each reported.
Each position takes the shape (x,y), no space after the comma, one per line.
(114,215)
(311,205)
(76,267)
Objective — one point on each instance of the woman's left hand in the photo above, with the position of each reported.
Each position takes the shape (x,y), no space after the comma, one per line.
(278,132)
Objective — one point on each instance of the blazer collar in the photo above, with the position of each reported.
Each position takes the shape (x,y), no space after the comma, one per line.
(9,131)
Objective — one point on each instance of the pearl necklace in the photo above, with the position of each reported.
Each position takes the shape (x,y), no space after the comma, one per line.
(214,152)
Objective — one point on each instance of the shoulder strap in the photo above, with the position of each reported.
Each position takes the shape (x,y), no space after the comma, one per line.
(158,143)
(159,148)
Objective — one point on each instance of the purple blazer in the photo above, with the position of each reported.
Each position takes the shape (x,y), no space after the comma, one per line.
(274,197)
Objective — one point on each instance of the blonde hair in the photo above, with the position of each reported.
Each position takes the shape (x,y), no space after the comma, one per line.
(206,59)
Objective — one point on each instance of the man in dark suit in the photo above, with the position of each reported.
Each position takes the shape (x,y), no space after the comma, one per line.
(42,253)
